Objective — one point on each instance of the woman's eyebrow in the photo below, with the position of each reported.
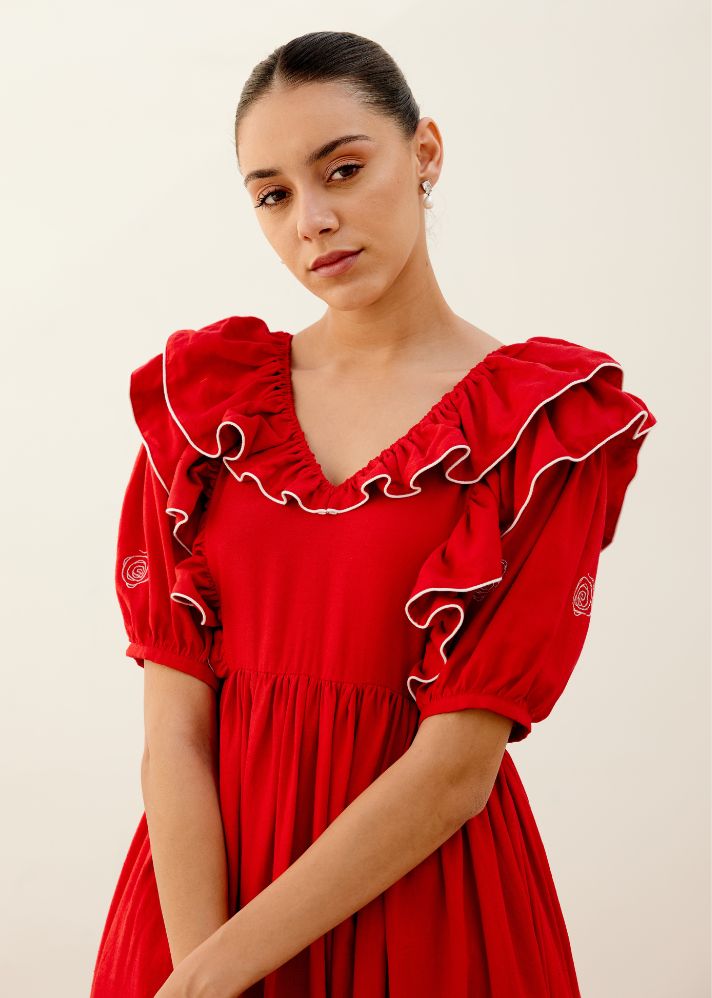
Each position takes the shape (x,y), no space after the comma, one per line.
(309,160)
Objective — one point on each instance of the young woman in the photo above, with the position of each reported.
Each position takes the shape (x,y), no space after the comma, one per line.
(331,809)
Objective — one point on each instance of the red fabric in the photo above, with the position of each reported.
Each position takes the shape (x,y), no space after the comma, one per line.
(156,576)
(328,639)
(511,645)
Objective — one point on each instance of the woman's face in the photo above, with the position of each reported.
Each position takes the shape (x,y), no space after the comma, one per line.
(363,194)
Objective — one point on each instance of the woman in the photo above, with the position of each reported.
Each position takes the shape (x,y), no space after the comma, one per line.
(328,698)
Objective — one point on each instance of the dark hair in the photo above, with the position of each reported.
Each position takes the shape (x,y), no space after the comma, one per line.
(318,56)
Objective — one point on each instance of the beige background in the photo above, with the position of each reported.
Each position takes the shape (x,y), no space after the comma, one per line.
(574,202)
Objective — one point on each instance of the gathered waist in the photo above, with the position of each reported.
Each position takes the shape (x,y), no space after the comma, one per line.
(272,675)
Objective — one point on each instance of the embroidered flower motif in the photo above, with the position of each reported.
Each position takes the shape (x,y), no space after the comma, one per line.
(583,596)
(480,593)
(134,569)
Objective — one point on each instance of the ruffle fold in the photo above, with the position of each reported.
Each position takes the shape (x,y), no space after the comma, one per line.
(188,478)
(222,394)
(569,424)
(467,565)
(194,585)
(225,391)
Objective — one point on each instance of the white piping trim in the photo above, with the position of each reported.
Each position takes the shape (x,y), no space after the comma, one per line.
(420,681)
(185,600)
(366,495)
(174,511)
(642,415)
(181,598)
(169,509)
(153,464)
(177,597)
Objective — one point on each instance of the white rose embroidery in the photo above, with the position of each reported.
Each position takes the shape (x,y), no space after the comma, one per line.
(134,569)
(479,594)
(583,596)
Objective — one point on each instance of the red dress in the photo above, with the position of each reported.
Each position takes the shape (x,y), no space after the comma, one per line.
(458,571)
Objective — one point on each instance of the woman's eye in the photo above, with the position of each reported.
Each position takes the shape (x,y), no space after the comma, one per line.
(262,199)
(347,166)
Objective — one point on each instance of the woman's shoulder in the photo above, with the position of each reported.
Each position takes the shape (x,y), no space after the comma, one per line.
(180,395)
(222,390)
(537,402)
(514,381)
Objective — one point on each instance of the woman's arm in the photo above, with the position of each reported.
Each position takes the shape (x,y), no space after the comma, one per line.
(180,791)
(443,779)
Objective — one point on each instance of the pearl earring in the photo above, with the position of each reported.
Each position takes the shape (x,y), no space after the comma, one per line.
(428,199)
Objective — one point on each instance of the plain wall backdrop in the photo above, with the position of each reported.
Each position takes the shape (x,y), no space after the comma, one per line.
(574,202)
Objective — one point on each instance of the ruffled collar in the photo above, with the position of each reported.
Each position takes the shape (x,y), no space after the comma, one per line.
(225,392)
(432,439)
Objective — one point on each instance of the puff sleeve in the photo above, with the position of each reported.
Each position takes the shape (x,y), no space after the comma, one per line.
(509,643)
(167,597)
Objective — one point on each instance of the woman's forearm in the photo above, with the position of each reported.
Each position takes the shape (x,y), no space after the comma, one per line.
(402,817)
(180,792)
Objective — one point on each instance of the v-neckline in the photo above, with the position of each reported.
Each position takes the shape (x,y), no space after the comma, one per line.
(305,446)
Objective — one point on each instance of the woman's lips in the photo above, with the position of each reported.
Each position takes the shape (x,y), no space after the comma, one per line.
(339,267)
